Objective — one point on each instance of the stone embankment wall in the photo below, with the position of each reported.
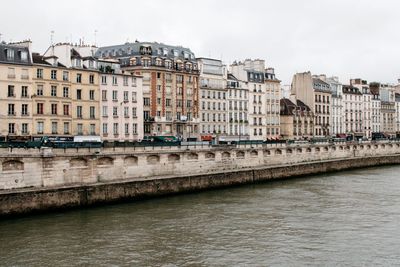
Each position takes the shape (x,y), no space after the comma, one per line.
(33,180)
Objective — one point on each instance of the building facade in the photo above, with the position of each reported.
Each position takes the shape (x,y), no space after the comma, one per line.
(323,97)
(363,86)
(121,103)
(264,96)
(388,109)
(352,100)
(297,120)
(336,104)
(170,85)
(213,99)
(375,108)
(15,91)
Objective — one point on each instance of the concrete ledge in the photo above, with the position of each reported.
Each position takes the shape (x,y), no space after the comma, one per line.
(31,200)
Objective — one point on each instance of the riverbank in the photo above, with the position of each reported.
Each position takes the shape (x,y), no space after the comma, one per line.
(21,201)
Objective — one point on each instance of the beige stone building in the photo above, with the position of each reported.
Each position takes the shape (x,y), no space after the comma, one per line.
(352,102)
(297,120)
(83,78)
(15,91)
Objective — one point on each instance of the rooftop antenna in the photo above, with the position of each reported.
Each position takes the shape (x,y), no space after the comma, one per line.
(51,37)
(95,37)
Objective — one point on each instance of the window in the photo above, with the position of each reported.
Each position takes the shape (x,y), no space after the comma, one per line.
(39,127)
(134,128)
(79,94)
(79,128)
(39,108)
(126,95)
(53,90)
(24,56)
(134,99)
(125,81)
(105,128)
(114,95)
(53,74)
(115,111)
(11,128)
(91,94)
(91,79)
(24,129)
(65,75)
(66,110)
(10,54)
(134,112)
(39,90)
(127,128)
(24,109)
(103,79)
(168,102)
(25,74)
(115,128)
(66,127)
(65,92)
(11,110)
(39,73)
(115,80)
(11,91)
(146,101)
(104,95)
(54,109)
(92,112)
(24,91)
(126,112)
(54,126)
(79,111)
(79,78)
(92,130)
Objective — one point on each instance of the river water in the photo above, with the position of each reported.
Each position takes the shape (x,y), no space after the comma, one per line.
(343,219)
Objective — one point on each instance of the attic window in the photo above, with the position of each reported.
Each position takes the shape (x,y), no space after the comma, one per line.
(24,56)
(10,54)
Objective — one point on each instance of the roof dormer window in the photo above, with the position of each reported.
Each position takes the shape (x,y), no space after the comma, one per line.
(24,56)
(10,54)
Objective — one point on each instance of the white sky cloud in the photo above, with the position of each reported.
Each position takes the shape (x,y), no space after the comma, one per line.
(348,39)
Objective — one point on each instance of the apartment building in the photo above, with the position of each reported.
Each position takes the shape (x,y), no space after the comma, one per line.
(353,107)
(213,99)
(337,115)
(388,109)
(170,85)
(322,98)
(15,91)
(375,108)
(264,96)
(297,120)
(121,103)
(367,97)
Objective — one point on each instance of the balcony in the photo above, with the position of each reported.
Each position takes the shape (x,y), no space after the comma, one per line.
(11,76)
(11,113)
(24,77)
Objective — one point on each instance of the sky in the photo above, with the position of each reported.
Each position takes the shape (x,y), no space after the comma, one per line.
(344,38)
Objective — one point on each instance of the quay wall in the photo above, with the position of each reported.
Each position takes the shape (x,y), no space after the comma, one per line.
(46,179)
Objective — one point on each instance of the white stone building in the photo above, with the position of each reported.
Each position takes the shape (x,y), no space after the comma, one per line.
(121,103)
(213,97)
(397,99)
(238,103)
(264,96)
(352,100)
(367,97)
(337,114)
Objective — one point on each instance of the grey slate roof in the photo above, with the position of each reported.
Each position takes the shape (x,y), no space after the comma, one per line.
(133,49)
(17,54)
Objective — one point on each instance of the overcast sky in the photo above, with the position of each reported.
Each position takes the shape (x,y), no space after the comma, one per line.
(345,38)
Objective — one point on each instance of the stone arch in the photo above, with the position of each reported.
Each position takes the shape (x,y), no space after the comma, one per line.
(153,159)
(289,151)
(333,148)
(278,152)
(225,155)
(308,150)
(317,149)
(193,156)
(361,146)
(383,146)
(398,145)
(375,146)
(341,147)
(174,158)
(131,160)
(326,149)
(390,145)
(254,153)
(240,154)
(299,150)
(13,165)
(368,146)
(210,155)
(354,147)
(267,152)
(105,161)
(78,162)
(347,148)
